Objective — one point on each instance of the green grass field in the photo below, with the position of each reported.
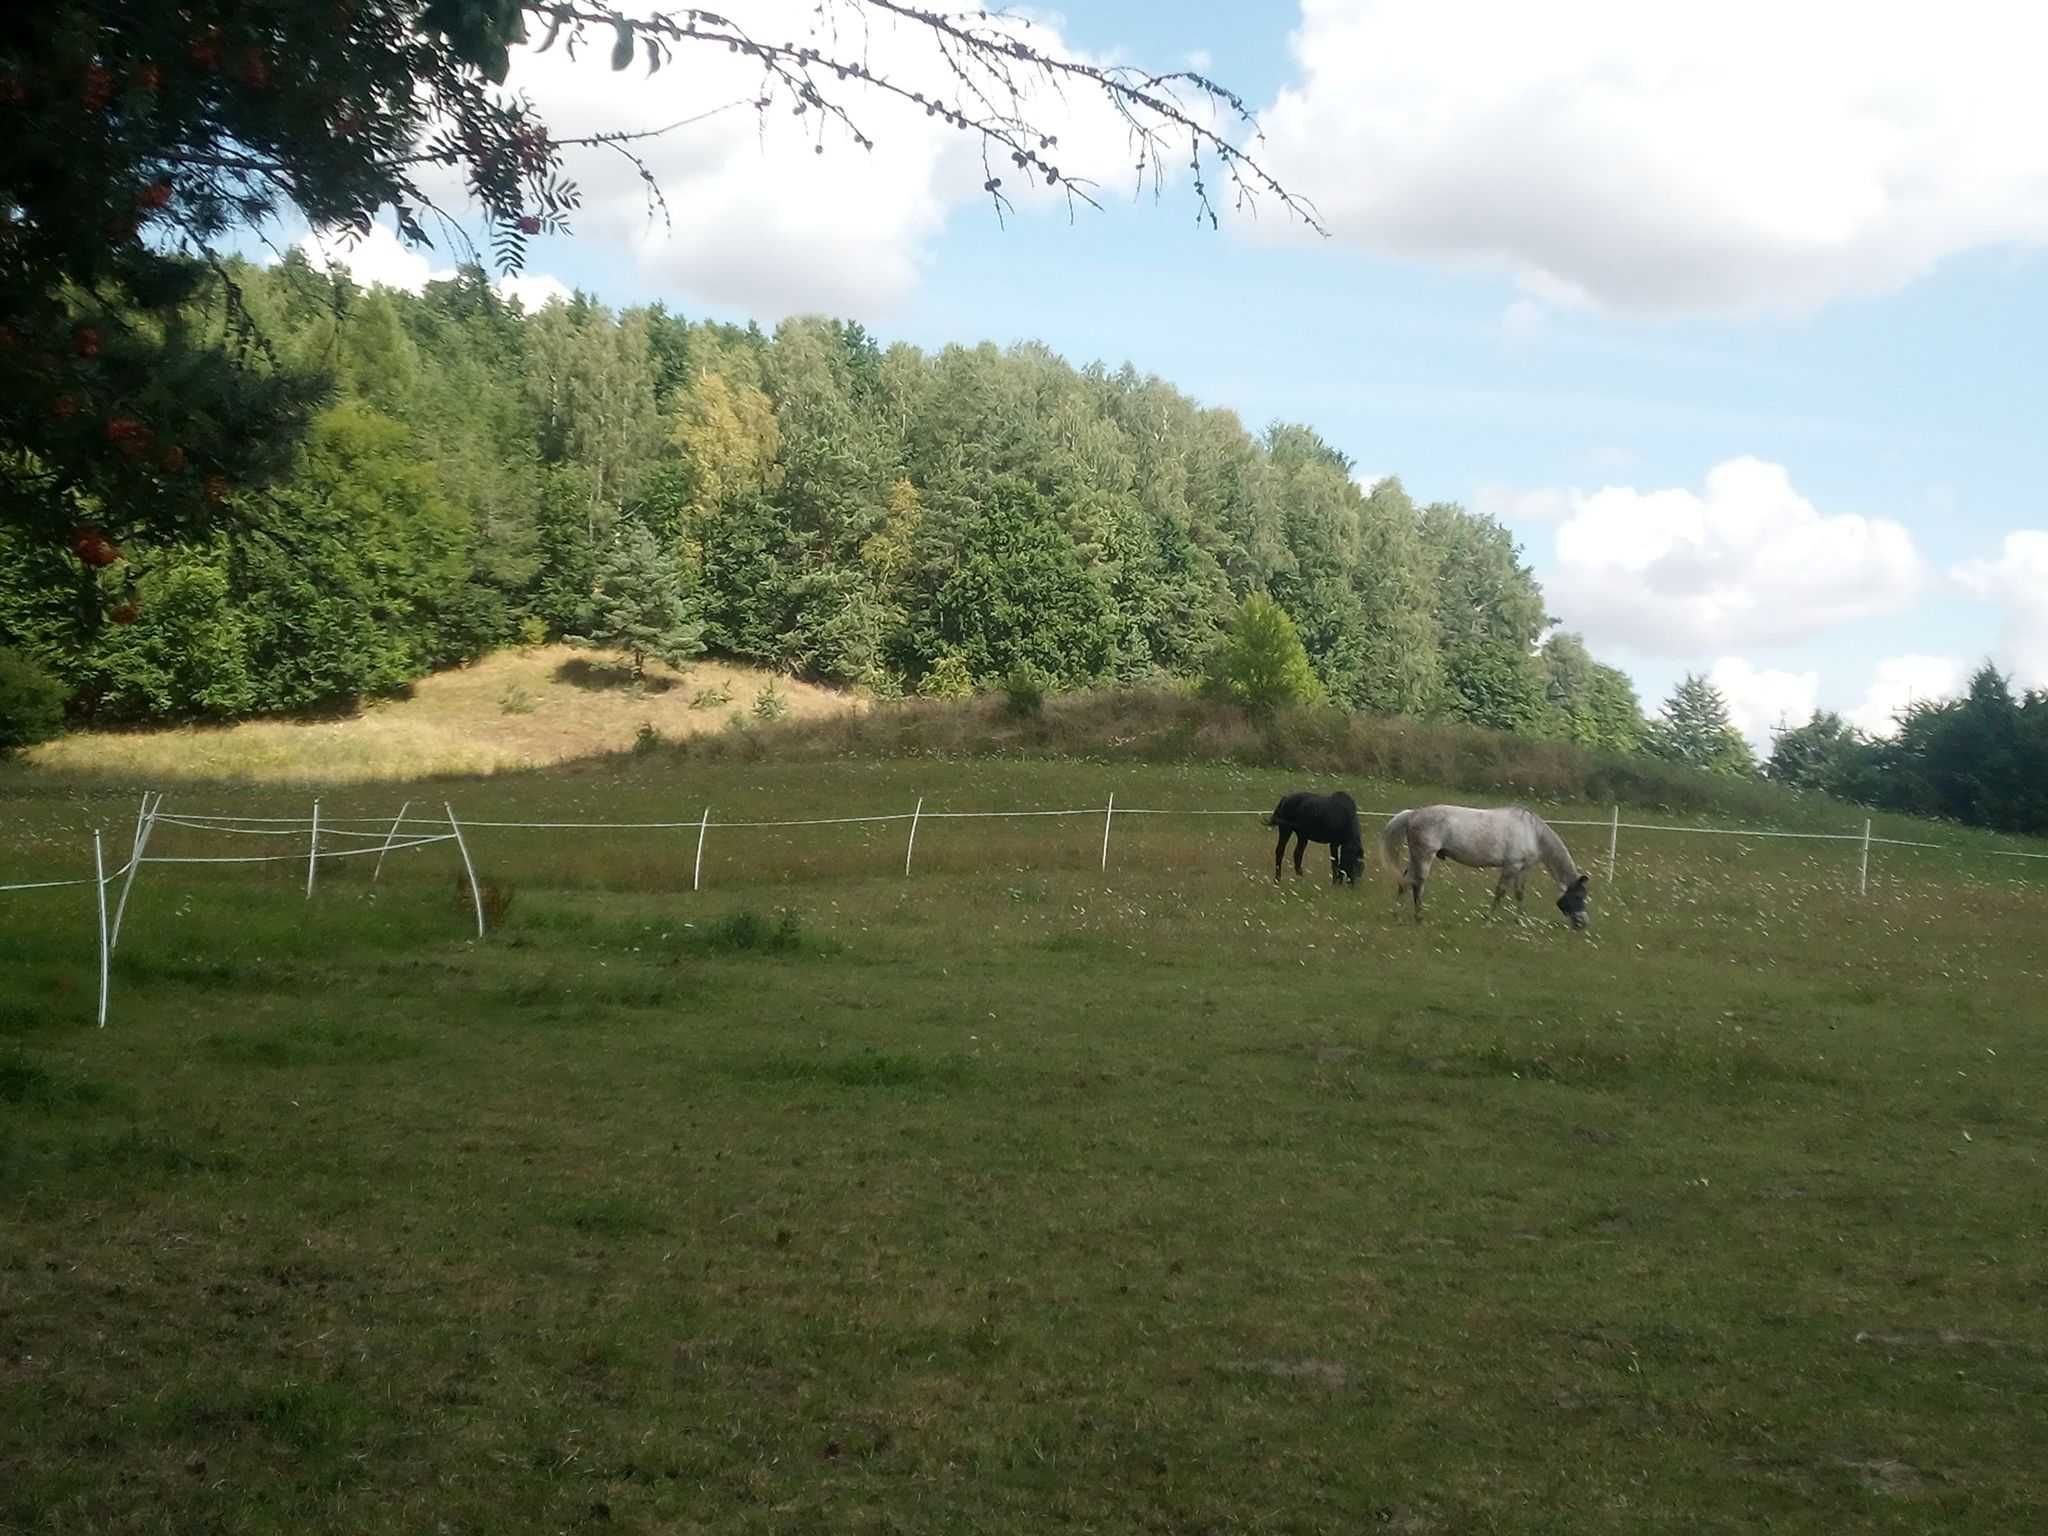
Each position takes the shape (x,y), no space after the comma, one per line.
(1010,1196)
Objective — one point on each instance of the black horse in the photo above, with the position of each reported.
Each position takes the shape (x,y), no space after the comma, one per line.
(1331,819)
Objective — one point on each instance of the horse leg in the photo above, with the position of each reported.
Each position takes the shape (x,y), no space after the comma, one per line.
(1501,889)
(1418,871)
(1280,852)
(1300,847)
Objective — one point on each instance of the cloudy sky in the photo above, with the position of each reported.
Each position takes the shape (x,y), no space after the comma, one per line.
(1732,316)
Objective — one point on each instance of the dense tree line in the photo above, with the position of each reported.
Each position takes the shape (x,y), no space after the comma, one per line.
(811,501)
(1981,758)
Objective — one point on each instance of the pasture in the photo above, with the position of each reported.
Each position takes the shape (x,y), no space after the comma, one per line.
(1012,1195)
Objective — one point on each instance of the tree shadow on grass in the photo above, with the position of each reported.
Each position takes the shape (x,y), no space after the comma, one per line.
(609,676)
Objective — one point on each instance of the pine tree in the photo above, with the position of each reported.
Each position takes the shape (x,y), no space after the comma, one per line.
(636,604)
(1695,729)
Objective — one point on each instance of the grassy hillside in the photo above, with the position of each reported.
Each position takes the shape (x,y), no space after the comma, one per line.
(1008,1192)
(510,711)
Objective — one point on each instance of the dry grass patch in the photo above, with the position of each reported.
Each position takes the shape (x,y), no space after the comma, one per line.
(510,711)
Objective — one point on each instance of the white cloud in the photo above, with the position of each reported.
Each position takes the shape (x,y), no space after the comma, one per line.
(533,289)
(2018,582)
(1745,562)
(1752,155)
(1762,702)
(378,260)
(1902,680)
(760,219)
(1516,508)
(381,260)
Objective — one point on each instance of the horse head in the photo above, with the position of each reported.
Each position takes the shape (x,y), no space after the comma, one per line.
(1351,862)
(1573,902)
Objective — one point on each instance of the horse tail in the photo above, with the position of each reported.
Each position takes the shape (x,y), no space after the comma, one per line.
(1392,836)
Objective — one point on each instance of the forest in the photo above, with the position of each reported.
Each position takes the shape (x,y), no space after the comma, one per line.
(811,501)
(876,516)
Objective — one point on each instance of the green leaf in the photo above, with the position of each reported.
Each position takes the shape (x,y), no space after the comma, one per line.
(622,50)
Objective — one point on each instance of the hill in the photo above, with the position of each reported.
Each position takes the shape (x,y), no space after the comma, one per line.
(510,711)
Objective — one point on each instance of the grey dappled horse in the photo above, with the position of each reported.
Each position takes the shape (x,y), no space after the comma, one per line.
(1508,838)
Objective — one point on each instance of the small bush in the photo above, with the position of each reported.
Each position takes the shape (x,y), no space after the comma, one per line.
(533,632)
(1260,662)
(1024,690)
(714,697)
(31,703)
(647,738)
(515,700)
(750,932)
(948,679)
(770,703)
(496,897)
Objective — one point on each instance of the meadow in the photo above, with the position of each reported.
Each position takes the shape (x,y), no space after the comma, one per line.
(1012,1194)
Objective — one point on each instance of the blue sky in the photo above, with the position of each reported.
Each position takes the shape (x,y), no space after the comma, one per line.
(1754,389)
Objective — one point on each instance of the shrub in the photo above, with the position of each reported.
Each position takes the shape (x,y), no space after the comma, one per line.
(770,703)
(1024,690)
(515,700)
(712,697)
(31,703)
(533,632)
(647,738)
(948,679)
(1260,661)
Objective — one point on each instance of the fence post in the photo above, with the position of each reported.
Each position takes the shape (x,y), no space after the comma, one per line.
(1863,874)
(912,844)
(1613,841)
(697,875)
(145,823)
(99,869)
(396,822)
(475,892)
(1108,815)
(313,851)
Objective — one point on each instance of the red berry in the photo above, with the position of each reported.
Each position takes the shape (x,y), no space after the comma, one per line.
(127,613)
(173,460)
(86,341)
(255,71)
(148,78)
(155,195)
(93,547)
(99,88)
(130,435)
(217,488)
(529,225)
(205,50)
(63,407)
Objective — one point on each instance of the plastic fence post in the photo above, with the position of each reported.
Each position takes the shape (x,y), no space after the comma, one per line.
(697,875)
(910,847)
(99,869)
(145,823)
(475,892)
(396,822)
(313,851)
(1613,840)
(1108,815)
(1863,874)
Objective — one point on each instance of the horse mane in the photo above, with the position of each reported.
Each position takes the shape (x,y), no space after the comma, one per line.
(1551,849)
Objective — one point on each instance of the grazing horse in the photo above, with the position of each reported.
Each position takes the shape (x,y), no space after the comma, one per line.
(1331,819)
(1510,839)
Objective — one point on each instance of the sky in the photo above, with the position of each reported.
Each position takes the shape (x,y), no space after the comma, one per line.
(1730,313)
